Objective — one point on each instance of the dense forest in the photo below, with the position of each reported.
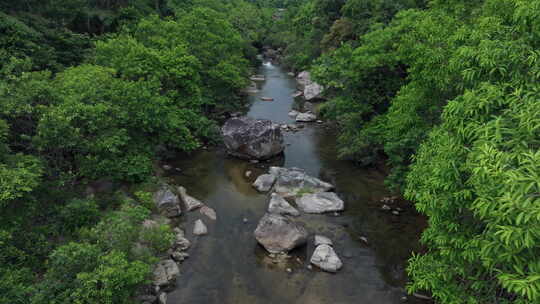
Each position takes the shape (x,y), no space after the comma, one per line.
(93,92)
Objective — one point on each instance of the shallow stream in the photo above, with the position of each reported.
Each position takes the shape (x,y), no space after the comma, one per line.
(228,266)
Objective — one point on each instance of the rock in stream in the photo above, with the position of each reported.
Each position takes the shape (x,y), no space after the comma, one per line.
(249,138)
(278,234)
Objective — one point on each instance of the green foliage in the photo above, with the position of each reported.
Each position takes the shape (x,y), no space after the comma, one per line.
(447,92)
(79,213)
(154,83)
(113,281)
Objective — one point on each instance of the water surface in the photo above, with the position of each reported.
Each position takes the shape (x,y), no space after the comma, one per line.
(228,266)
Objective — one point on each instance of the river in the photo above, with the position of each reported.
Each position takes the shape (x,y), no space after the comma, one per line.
(228,266)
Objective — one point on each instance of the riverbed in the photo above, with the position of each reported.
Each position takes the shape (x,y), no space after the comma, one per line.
(228,266)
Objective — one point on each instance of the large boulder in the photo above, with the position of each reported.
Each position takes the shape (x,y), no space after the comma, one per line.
(264,182)
(278,205)
(278,234)
(326,258)
(167,202)
(249,138)
(191,202)
(290,182)
(320,202)
(313,91)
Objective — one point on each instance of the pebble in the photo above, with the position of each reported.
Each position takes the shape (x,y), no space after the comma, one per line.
(386,207)
(245,220)
(289,270)
(336,214)
(167,167)
(395,212)
(363,239)
(248,173)
(254,161)
(309,267)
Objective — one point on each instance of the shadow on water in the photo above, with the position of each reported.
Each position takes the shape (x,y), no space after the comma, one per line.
(228,266)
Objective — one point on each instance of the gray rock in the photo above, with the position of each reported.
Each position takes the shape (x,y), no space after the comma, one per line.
(165,273)
(297,94)
(310,89)
(320,240)
(208,212)
(257,78)
(278,234)
(313,91)
(200,228)
(306,117)
(303,79)
(293,113)
(278,205)
(248,138)
(167,202)
(181,243)
(290,182)
(326,258)
(163,298)
(179,256)
(309,107)
(191,202)
(320,202)
(264,182)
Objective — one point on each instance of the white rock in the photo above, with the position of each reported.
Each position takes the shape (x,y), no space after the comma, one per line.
(163,298)
(209,212)
(278,205)
(306,117)
(191,202)
(320,202)
(200,228)
(326,258)
(293,113)
(264,182)
(322,240)
(257,78)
